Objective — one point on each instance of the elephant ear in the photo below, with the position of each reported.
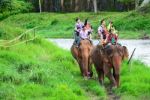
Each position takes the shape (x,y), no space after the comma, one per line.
(120,51)
(125,52)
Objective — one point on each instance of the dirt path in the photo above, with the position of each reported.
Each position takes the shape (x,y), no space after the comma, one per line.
(111,95)
(92,96)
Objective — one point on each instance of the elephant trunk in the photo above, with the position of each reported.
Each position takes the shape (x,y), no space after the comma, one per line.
(85,64)
(116,66)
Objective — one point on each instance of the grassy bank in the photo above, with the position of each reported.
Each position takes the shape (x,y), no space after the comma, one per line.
(134,82)
(40,70)
(61,25)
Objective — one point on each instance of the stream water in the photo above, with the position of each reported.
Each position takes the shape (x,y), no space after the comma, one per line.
(142,51)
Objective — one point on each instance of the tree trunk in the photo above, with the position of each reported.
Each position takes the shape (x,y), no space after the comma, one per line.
(46,4)
(76,5)
(62,5)
(40,8)
(71,5)
(95,5)
(115,4)
(145,2)
(88,5)
(137,4)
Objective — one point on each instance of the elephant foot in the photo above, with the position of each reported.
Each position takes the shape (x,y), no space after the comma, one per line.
(90,74)
(114,87)
(101,82)
(86,78)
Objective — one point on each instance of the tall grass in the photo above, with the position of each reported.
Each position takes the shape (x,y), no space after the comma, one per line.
(40,70)
(134,81)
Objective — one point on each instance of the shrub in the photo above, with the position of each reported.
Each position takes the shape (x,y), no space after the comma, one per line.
(145,9)
(10,7)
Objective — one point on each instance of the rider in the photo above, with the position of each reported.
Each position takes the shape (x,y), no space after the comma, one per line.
(111,28)
(78,28)
(102,32)
(84,34)
(88,28)
(113,36)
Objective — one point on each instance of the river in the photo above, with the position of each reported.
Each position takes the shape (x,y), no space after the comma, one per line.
(142,51)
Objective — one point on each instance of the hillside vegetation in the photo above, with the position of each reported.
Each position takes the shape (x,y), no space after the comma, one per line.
(61,25)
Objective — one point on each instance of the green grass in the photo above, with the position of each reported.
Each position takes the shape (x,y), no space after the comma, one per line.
(134,82)
(61,25)
(39,70)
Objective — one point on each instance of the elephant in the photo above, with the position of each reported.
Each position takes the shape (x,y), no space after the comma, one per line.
(107,58)
(82,56)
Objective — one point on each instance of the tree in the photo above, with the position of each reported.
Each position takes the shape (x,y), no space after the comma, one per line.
(62,5)
(40,6)
(95,5)
(5,5)
(137,4)
(127,3)
(145,2)
(76,5)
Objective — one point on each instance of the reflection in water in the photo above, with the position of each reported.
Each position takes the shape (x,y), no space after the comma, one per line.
(141,53)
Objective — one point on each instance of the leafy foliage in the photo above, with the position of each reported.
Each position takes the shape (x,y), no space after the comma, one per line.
(9,7)
(126,1)
(145,9)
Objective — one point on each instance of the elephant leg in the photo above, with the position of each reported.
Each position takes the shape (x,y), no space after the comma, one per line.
(101,77)
(81,68)
(116,75)
(108,73)
(90,68)
(85,72)
(111,78)
(100,73)
(85,66)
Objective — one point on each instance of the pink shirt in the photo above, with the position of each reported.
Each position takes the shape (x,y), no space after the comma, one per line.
(84,34)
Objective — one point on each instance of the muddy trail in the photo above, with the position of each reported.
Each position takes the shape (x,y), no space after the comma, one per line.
(111,95)
(109,91)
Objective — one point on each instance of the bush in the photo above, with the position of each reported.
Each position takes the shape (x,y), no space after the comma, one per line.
(5,5)
(145,9)
(10,7)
